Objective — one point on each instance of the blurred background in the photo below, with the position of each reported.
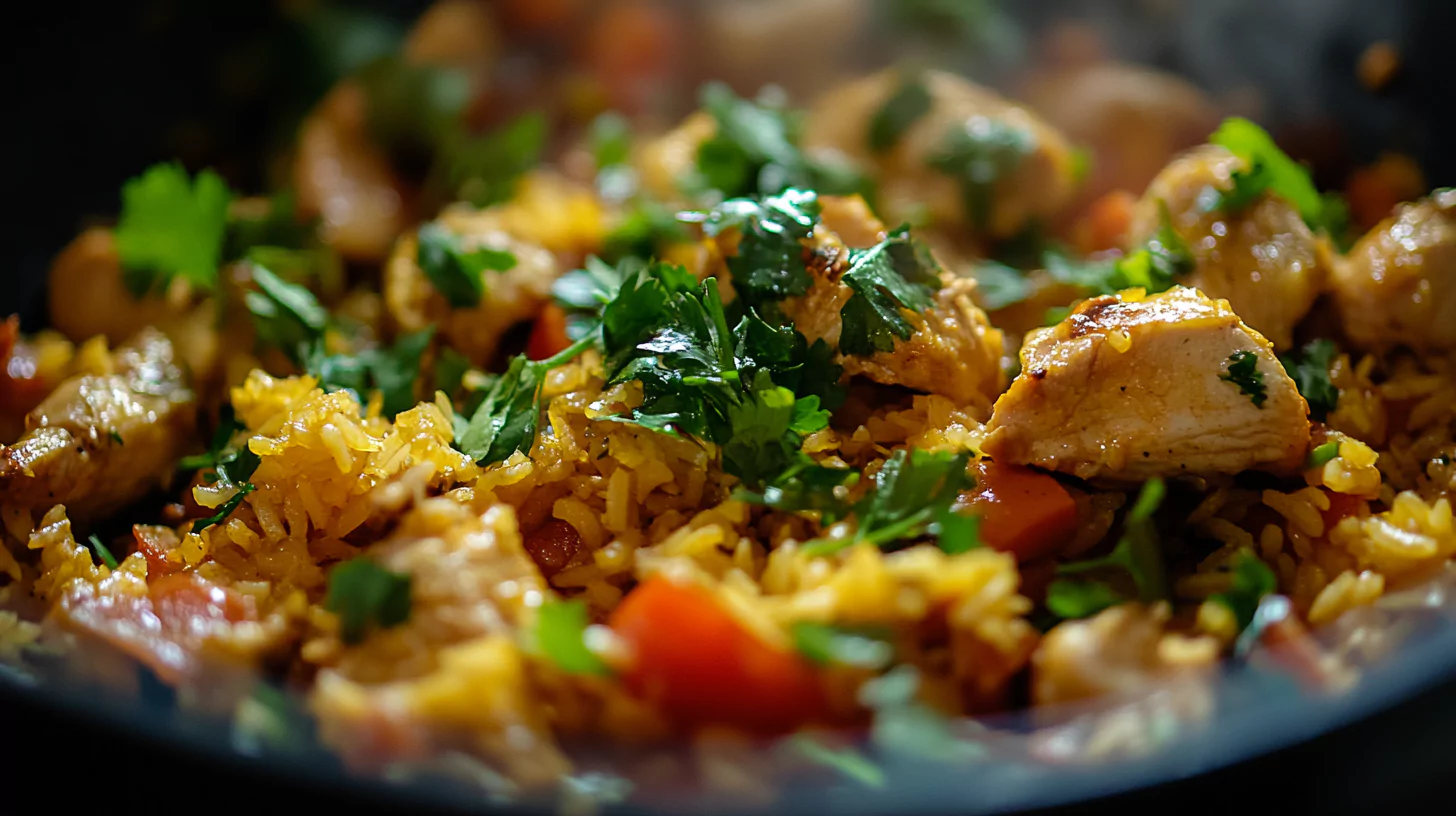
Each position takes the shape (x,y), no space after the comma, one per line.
(100,91)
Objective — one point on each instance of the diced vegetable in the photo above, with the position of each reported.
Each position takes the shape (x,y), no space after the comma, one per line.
(1023,512)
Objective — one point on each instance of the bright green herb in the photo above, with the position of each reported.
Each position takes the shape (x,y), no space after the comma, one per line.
(1322,455)
(458,273)
(560,635)
(769,265)
(102,552)
(1243,371)
(646,230)
(116,437)
(1252,580)
(610,138)
(1272,170)
(914,497)
(506,419)
(979,154)
(366,596)
(1310,370)
(906,106)
(999,286)
(837,645)
(1137,555)
(895,274)
(171,226)
(285,315)
(450,370)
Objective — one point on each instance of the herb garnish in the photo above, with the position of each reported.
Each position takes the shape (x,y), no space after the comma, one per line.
(825,645)
(1310,370)
(456,272)
(560,635)
(910,101)
(1322,455)
(914,497)
(102,552)
(769,263)
(979,154)
(1136,555)
(1243,371)
(171,227)
(1272,170)
(366,596)
(895,274)
(1252,580)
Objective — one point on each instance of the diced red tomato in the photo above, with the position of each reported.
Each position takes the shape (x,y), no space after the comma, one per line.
(1024,512)
(154,542)
(548,336)
(700,666)
(552,546)
(21,386)
(1342,506)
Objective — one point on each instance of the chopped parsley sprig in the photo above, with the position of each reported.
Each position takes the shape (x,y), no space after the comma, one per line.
(1271,170)
(1310,369)
(894,275)
(367,597)
(1243,371)
(1136,558)
(914,497)
(171,226)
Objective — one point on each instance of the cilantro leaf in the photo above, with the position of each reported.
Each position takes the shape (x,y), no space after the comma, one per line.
(999,286)
(914,497)
(1243,371)
(225,509)
(560,635)
(582,293)
(610,138)
(769,263)
(807,487)
(1137,555)
(395,370)
(910,101)
(458,273)
(1310,370)
(171,227)
(483,170)
(1252,580)
(101,551)
(979,154)
(285,315)
(1272,170)
(836,645)
(367,596)
(894,274)
(505,422)
(450,370)
(647,228)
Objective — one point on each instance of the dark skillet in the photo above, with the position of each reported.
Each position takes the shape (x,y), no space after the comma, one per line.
(97,93)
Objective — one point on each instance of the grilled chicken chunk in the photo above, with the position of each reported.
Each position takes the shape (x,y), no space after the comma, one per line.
(1032,169)
(1264,261)
(1126,390)
(99,442)
(511,297)
(1122,651)
(954,351)
(450,678)
(1398,286)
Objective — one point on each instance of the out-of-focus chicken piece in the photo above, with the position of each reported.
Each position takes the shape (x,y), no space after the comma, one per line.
(802,43)
(1038,185)
(954,351)
(1123,651)
(1398,286)
(1133,119)
(461,33)
(511,297)
(451,678)
(87,295)
(1125,390)
(346,181)
(1264,260)
(99,442)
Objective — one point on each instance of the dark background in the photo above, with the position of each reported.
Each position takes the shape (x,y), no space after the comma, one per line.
(96,92)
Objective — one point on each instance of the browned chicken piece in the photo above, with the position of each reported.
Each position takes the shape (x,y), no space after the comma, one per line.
(511,297)
(1398,286)
(1125,390)
(1265,261)
(87,296)
(1134,119)
(1037,184)
(451,678)
(1123,651)
(954,350)
(99,442)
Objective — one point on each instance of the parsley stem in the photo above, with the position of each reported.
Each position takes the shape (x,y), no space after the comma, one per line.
(570,353)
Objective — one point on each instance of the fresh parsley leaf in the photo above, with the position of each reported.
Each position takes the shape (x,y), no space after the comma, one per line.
(910,101)
(171,227)
(1243,371)
(647,229)
(1252,580)
(506,420)
(582,293)
(285,315)
(458,273)
(999,286)
(769,263)
(395,370)
(1310,370)
(560,635)
(847,761)
(1322,455)
(894,274)
(914,497)
(610,137)
(1137,555)
(225,509)
(1272,170)
(102,552)
(807,488)
(483,170)
(367,596)
(837,645)
(450,370)
(978,154)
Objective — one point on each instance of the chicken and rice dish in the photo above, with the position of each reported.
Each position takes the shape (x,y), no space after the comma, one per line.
(769,422)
